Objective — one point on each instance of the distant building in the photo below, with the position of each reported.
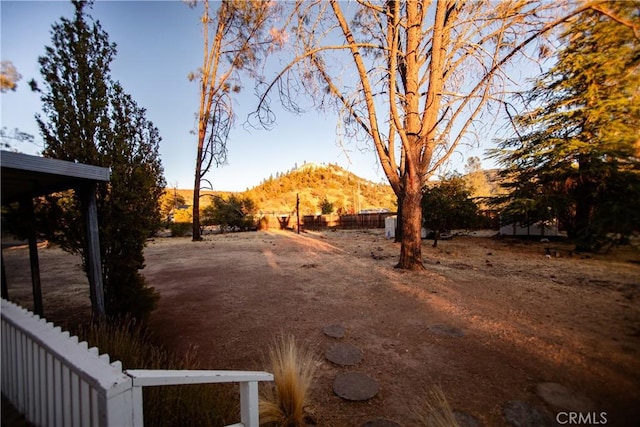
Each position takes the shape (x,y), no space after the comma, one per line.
(538,229)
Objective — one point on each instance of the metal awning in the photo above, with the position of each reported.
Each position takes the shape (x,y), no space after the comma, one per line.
(25,177)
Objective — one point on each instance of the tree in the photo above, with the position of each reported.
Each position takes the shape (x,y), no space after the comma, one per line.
(237,43)
(448,205)
(575,153)
(169,202)
(88,118)
(9,76)
(412,78)
(7,137)
(232,212)
(476,178)
(326,207)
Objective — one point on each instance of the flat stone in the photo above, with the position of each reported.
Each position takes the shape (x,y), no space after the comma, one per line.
(334,331)
(380,422)
(355,386)
(522,414)
(445,330)
(343,354)
(465,420)
(561,397)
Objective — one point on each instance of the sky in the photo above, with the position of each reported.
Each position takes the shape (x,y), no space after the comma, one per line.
(158,44)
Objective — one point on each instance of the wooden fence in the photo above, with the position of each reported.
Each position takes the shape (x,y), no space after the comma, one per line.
(319,222)
(55,380)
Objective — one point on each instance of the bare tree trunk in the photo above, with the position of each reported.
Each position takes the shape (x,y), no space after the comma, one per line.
(196,194)
(411,248)
(398,236)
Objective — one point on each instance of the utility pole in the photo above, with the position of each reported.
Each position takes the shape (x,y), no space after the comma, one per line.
(298,211)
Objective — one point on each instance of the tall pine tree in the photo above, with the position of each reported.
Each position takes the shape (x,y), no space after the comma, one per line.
(576,152)
(87,117)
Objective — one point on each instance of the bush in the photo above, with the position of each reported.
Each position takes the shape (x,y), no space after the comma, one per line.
(179,229)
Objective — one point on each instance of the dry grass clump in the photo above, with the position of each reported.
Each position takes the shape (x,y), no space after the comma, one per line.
(210,405)
(293,366)
(435,411)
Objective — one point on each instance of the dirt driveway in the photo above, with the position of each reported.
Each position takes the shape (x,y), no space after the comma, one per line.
(488,322)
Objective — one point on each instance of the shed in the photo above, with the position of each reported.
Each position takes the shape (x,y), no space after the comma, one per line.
(25,177)
(390,225)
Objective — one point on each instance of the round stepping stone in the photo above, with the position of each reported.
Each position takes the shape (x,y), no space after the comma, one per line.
(334,331)
(380,422)
(465,420)
(355,386)
(445,330)
(561,397)
(522,414)
(344,354)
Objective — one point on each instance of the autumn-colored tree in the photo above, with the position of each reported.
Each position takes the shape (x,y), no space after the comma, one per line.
(169,202)
(9,76)
(412,78)
(235,41)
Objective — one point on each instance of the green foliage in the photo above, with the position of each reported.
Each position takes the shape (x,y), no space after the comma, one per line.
(89,118)
(230,213)
(448,205)
(326,207)
(179,229)
(576,154)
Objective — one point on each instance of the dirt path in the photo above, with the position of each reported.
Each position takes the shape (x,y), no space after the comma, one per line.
(525,318)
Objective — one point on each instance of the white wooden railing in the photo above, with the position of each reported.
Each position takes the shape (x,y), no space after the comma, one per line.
(55,380)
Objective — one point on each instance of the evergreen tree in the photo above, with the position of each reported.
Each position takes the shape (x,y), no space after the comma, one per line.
(576,152)
(326,207)
(89,118)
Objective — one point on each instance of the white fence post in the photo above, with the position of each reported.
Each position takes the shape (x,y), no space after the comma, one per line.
(248,381)
(54,380)
(249,404)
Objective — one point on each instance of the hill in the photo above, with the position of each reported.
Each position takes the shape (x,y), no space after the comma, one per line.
(348,193)
(312,183)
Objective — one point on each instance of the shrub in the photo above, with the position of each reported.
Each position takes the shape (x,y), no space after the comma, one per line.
(284,403)
(179,229)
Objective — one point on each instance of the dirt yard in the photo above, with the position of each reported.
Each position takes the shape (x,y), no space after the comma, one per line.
(490,321)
